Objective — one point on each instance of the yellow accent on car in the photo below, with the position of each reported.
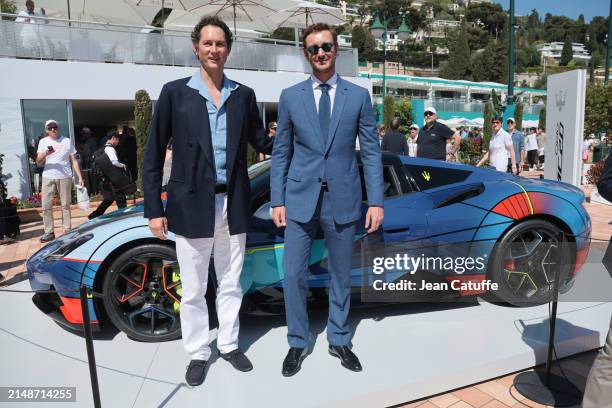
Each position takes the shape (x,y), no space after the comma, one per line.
(426,175)
(526,196)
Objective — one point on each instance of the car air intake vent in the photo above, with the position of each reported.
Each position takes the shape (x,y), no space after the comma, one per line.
(461,196)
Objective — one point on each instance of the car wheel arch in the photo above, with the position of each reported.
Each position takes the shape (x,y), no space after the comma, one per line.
(103,268)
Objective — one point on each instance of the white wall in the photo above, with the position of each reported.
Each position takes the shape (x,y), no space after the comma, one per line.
(32,79)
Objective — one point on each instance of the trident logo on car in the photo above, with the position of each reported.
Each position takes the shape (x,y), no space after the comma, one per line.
(426,175)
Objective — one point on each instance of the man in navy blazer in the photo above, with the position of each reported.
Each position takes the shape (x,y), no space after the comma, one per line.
(210,119)
(315,183)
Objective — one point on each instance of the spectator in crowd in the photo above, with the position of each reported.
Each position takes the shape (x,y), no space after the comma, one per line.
(29,34)
(500,148)
(88,138)
(518,141)
(451,151)
(531,146)
(56,153)
(464,133)
(381,134)
(433,136)
(412,140)
(110,169)
(541,139)
(127,150)
(83,154)
(598,388)
(394,141)
(587,144)
(271,132)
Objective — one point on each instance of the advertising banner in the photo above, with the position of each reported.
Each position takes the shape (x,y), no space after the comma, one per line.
(565,126)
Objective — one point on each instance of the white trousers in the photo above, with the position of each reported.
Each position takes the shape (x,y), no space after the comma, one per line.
(194,257)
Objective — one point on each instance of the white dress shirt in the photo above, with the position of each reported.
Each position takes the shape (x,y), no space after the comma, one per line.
(332,82)
(112,155)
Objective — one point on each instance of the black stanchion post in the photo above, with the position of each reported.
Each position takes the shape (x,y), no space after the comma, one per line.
(91,357)
(544,387)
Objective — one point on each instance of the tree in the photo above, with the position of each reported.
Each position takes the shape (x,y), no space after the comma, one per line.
(496,103)
(388,110)
(491,16)
(491,64)
(518,115)
(142,118)
(542,119)
(458,66)
(487,129)
(403,109)
(364,42)
(566,53)
(598,109)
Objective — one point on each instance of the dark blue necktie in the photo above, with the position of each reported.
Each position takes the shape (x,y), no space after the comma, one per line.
(324,110)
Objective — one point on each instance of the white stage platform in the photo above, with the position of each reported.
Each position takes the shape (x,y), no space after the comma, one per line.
(408,352)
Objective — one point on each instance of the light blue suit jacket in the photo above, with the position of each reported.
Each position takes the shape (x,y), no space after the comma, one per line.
(301,160)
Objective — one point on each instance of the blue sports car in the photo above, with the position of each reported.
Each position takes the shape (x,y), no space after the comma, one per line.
(444,222)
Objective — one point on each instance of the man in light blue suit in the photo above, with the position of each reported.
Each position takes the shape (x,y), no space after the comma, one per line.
(315,183)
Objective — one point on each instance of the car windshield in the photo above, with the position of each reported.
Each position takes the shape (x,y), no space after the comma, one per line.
(259,168)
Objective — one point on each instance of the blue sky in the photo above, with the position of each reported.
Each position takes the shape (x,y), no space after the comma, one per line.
(569,8)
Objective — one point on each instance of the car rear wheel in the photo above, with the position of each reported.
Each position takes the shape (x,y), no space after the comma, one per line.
(142,293)
(525,262)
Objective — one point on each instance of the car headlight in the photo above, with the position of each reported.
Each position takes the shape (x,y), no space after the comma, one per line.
(68,246)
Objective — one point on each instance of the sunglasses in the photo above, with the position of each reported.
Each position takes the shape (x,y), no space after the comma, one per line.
(52,128)
(429,114)
(495,121)
(314,49)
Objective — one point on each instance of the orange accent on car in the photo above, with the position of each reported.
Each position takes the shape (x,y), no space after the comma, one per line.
(71,309)
(516,207)
(581,257)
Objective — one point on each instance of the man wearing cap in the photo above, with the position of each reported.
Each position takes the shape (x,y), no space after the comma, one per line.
(518,141)
(56,153)
(394,141)
(500,148)
(434,136)
(412,140)
(111,170)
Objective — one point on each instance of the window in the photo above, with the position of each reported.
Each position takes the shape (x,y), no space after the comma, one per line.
(427,177)
(391,184)
(35,114)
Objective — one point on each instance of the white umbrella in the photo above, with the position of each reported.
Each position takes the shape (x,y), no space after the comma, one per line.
(108,11)
(304,13)
(236,10)
(184,20)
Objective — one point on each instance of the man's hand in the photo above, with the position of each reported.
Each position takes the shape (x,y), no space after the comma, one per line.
(159,227)
(80,181)
(278,216)
(374,218)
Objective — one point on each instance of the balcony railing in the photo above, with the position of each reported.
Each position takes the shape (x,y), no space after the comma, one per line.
(123,44)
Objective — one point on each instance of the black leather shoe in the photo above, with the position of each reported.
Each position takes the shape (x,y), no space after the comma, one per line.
(346,356)
(293,361)
(238,360)
(196,371)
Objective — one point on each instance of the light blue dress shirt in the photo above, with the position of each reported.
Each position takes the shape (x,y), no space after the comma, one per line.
(218,121)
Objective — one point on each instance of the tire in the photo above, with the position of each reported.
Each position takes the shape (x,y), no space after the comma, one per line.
(134,293)
(525,261)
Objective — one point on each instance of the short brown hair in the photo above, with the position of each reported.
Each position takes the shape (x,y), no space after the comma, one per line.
(315,28)
(212,21)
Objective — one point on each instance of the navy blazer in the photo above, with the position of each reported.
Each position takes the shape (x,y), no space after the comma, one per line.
(302,158)
(181,113)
